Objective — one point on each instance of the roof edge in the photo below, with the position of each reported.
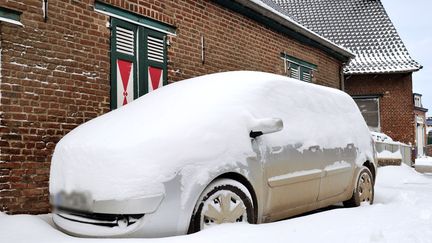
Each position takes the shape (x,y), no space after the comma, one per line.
(297,31)
(411,70)
(421,109)
(380,3)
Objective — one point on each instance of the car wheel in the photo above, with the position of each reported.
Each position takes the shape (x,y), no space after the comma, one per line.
(223,201)
(364,190)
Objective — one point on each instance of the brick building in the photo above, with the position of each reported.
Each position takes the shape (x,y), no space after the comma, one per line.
(380,76)
(68,61)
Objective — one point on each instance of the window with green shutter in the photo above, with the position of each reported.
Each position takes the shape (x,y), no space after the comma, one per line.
(299,69)
(138,53)
(138,61)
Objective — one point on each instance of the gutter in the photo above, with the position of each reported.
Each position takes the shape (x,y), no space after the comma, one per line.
(421,109)
(267,11)
(395,71)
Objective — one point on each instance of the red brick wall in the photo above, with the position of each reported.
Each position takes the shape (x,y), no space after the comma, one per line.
(55,75)
(396,103)
(233,42)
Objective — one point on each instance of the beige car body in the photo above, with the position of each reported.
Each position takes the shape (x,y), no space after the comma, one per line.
(295,185)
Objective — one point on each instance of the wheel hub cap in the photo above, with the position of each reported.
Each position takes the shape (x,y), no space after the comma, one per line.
(365,188)
(223,207)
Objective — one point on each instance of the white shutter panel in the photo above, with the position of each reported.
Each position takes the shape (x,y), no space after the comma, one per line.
(294,72)
(125,41)
(306,76)
(155,49)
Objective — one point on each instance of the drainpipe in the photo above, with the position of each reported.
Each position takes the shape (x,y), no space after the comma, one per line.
(342,78)
(45,10)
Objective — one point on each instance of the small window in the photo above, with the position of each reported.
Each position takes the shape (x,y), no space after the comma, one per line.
(369,108)
(417,101)
(10,16)
(298,69)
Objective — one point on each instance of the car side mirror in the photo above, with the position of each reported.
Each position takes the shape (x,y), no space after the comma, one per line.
(265,126)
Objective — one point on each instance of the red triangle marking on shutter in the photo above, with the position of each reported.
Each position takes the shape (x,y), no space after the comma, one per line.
(125,70)
(124,100)
(155,76)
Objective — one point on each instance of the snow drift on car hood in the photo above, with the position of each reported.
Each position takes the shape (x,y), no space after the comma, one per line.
(204,121)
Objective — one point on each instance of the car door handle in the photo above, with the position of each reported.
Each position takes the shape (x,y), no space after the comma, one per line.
(276,149)
(314,148)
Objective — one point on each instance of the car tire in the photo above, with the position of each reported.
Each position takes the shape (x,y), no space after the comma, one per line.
(364,190)
(223,201)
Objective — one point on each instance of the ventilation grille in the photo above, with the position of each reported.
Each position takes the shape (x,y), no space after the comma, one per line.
(155,49)
(125,41)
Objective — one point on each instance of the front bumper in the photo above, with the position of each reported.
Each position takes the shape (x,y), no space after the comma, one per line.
(77,214)
(96,225)
(170,217)
(83,202)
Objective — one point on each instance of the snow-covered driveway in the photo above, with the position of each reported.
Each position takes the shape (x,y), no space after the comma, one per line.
(402,213)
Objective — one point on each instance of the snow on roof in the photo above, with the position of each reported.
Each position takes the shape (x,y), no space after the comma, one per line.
(362,26)
(284,18)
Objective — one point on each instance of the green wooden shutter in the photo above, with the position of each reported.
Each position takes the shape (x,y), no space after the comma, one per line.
(153,60)
(294,71)
(124,85)
(305,74)
(299,69)
(138,62)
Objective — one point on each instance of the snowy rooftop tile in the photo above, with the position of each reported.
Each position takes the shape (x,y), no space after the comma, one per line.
(362,26)
(273,7)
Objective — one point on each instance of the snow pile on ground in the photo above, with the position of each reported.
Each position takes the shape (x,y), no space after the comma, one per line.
(381,137)
(385,154)
(382,141)
(423,164)
(402,212)
(425,160)
(182,127)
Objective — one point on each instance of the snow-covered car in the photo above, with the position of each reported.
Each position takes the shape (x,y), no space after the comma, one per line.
(229,147)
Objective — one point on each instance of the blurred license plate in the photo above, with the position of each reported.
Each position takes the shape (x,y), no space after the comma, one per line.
(74,200)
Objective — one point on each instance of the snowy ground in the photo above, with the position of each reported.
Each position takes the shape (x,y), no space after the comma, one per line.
(402,213)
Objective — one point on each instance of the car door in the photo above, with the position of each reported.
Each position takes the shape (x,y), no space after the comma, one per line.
(338,170)
(293,177)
